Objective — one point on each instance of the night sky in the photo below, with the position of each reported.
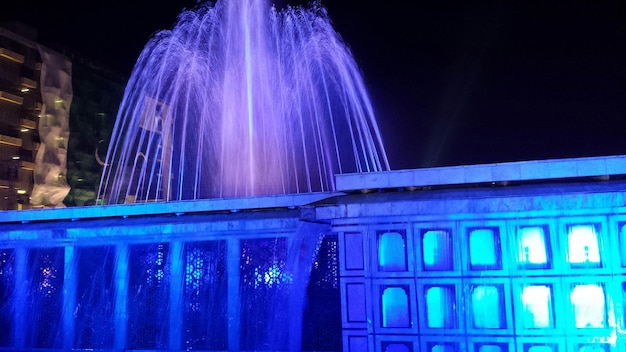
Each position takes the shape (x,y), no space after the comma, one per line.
(452,83)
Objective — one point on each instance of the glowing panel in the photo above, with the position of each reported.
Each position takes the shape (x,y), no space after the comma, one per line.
(589,306)
(437,251)
(205,296)
(45,295)
(148,287)
(94,318)
(582,245)
(397,347)
(537,301)
(440,307)
(532,247)
(395,308)
(540,349)
(442,348)
(487,306)
(622,245)
(592,348)
(391,252)
(490,348)
(484,246)
(7,285)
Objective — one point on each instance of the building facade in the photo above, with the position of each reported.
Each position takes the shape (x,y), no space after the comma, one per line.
(20,107)
(35,98)
(526,257)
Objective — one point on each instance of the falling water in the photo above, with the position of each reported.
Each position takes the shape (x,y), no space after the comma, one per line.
(240,99)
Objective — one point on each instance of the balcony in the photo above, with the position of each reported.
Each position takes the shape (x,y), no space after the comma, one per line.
(11,98)
(29,124)
(6,184)
(28,83)
(27,165)
(10,55)
(12,141)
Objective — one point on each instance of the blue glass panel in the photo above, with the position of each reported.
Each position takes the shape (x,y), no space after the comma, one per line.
(537,302)
(260,259)
(437,250)
(484,247)
(321,330)
(440,302)
(588,303)
(395,308)
(397,347)
(7,285)
(490,348)
(442,348)
(392,252)
(622,245)
(205,296)
(583,248)
(592,347)
(45,296)
(533,247)
(540,349)
(148,296)
(487,307)
(95,298)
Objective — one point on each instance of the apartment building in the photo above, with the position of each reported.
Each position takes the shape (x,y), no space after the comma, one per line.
(20,107)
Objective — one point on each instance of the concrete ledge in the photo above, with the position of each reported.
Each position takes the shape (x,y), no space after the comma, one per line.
(157,208)
(485,173)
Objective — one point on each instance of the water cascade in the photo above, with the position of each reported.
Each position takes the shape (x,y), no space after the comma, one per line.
(241,99)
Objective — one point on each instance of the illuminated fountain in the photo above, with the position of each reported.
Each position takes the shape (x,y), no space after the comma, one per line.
(239,99)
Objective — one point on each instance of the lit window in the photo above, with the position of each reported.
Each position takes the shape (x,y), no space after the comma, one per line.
(484,246)
(537,302)
(540,349)
(491,348)
(533,251)
(395,308)
(583,249)
(442,348)
(391,252)
(437,251)
(589,306)
(592,348)
(622,245)
(440,302)
(397,347)
(488,307)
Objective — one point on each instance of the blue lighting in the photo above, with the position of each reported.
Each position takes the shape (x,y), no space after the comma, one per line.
(487,305)
(194,268)
(395,308)
(392,252)
(437,251)
(440,302)
(583,248)
(273,275)
(484,249)
(547,280)
(537,301)
(532,246)
(589,306)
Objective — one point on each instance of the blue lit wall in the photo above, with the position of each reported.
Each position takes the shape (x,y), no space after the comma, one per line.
(528,268)
(525,268)
(169,282)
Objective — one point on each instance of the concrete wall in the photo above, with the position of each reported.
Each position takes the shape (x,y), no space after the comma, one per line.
(534,267)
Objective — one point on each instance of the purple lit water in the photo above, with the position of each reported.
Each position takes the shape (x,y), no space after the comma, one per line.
(240,99)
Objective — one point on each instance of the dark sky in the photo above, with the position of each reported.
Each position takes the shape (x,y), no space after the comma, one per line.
(453,83)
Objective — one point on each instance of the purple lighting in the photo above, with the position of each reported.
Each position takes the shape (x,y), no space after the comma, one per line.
(240,99)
